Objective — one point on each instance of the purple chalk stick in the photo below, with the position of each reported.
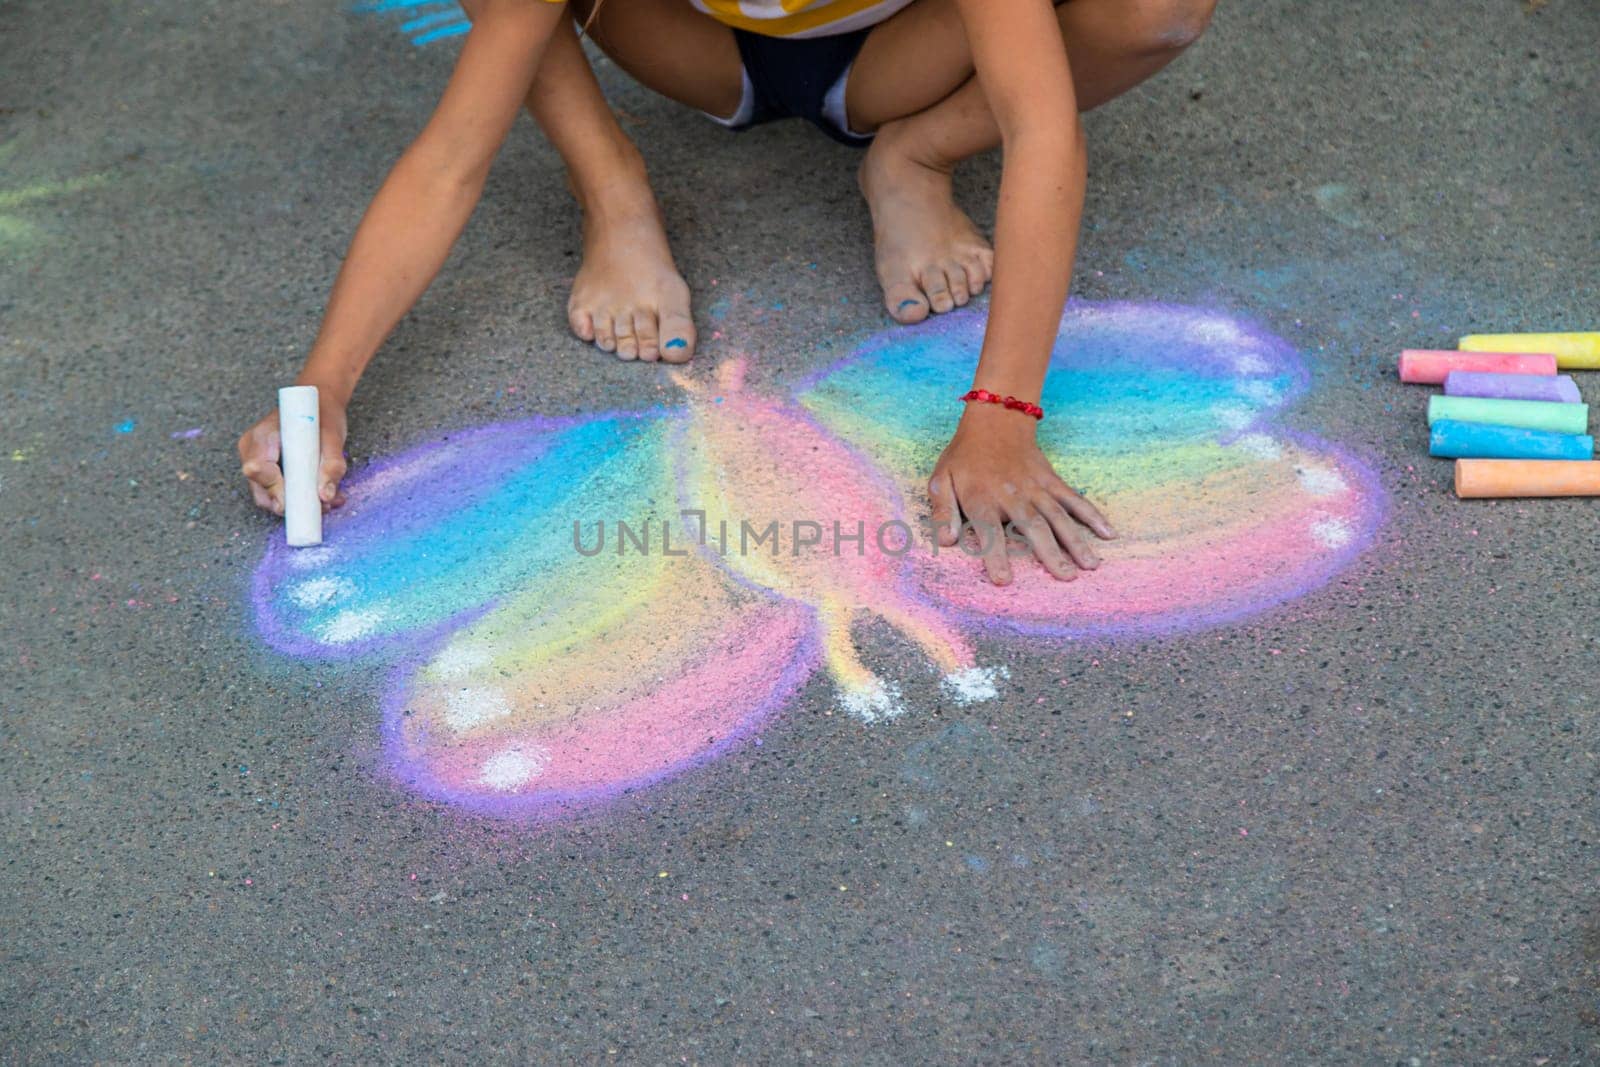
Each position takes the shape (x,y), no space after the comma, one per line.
(1560,389)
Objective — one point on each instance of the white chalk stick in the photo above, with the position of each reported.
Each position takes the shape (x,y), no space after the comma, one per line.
(301,432)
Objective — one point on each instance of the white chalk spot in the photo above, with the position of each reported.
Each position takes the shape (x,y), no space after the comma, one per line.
(514,768)
(878,701)
(317,592)
(1257,391)
(460,660)
(466,708)
(1250,363)
(350,626)
(1233,416)
(1320,481)
(1259,444)
(1219,332)
(973,685)
(304,559)
(1333,532)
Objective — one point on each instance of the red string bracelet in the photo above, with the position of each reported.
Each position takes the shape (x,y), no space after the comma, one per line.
(985,397)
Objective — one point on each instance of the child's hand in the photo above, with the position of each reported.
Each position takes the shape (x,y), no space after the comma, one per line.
(260,447)
(994,473)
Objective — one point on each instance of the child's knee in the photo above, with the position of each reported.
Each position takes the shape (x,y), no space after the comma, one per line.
(1168,25)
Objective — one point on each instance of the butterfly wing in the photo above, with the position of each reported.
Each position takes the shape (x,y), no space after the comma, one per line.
(1164,417)
(541,665)
(525,711)
(444,531)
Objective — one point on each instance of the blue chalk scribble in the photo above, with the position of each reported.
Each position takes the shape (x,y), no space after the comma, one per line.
(431,20)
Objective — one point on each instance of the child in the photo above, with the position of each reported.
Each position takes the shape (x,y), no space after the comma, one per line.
(925,83)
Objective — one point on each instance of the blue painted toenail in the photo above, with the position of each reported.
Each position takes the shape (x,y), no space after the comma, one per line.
(676,342)
(905,303)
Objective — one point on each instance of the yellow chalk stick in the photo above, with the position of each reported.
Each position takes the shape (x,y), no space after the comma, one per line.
(1573,351)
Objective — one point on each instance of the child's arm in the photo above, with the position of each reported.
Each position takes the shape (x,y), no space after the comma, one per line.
(410,226)
(993,471)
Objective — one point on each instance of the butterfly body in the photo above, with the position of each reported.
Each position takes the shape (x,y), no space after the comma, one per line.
(840,537)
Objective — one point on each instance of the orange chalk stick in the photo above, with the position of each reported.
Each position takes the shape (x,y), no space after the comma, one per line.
(1526,477)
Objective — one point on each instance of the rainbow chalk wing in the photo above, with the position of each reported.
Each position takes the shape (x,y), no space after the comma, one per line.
(1164,416)
(446,530)
(651,668)
(534,675)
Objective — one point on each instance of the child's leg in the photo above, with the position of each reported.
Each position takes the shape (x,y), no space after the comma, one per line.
(669,47)
(628,296)
(913,82)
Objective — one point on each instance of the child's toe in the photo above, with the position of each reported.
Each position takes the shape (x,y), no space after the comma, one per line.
(582,324)
(977,274)
(605,337)
(956,274)
(644,328)
(627,343)
(906,303)
(677,337)
(937,286)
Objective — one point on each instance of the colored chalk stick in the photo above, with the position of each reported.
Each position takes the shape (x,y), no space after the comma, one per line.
(1449,439)
(299,431)
(1527,414)
(1429,367)
(1477,478)
(1573,351)
(1556,389)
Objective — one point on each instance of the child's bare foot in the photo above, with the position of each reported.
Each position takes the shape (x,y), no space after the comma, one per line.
(628,297)
(929,254)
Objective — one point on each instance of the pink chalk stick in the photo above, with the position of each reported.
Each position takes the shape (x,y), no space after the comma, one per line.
(1560,389)
(1429,367)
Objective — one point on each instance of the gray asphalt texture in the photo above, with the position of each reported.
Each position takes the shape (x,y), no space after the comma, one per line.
(1374,846)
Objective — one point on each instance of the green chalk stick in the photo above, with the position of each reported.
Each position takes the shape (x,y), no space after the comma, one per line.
(1527,414)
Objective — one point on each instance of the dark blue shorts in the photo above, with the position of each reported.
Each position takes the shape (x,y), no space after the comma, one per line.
(804,78)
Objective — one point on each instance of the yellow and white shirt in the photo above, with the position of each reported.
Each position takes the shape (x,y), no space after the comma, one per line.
(799,18)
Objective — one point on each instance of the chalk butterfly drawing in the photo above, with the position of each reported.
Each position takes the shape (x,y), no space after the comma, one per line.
(532,677)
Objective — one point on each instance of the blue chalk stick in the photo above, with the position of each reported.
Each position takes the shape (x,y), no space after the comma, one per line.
(1450,439)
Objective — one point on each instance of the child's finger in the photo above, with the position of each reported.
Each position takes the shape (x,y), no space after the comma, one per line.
(1041,537)
(266,483)
(1084,512)
(264,500)
(1068,532)
(946,516)
(258,462)
(991,533)
(331,472)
